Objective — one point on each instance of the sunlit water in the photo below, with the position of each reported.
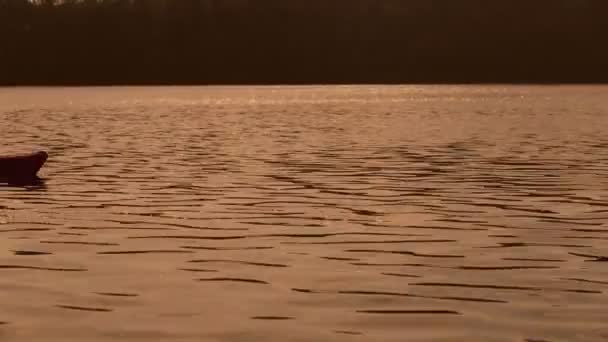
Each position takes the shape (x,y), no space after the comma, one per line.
(435,213)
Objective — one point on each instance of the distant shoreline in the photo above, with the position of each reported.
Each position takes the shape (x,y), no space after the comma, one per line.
(277,42)
(162,84)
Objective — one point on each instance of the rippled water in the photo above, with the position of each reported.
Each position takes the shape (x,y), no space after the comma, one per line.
(435,213)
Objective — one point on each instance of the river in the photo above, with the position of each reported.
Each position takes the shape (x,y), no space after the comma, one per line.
(316,213)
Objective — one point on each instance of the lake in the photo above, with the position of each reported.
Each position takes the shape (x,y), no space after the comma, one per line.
(314,213)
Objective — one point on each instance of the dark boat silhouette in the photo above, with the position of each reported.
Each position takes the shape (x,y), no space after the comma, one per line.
(22,166)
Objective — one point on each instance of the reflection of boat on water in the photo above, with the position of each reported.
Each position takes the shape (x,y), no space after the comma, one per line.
(22,166)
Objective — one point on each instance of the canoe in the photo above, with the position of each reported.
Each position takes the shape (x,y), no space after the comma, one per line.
(22,166)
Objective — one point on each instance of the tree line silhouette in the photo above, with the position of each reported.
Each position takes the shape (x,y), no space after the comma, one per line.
(70,42)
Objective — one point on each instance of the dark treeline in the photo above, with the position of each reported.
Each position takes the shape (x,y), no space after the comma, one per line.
(302,41)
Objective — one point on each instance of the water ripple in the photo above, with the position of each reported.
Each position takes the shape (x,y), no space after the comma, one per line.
(363,210)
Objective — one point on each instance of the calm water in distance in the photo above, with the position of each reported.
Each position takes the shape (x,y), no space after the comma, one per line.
(353,213)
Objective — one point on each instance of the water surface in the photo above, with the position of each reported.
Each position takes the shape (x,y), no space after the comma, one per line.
(418,213)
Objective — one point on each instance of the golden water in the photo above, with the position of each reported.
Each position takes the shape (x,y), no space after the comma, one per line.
(431,213)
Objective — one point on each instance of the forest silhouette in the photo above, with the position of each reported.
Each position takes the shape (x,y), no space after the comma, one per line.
(97,42)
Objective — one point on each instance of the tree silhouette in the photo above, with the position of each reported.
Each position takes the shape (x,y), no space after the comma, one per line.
(312,41)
